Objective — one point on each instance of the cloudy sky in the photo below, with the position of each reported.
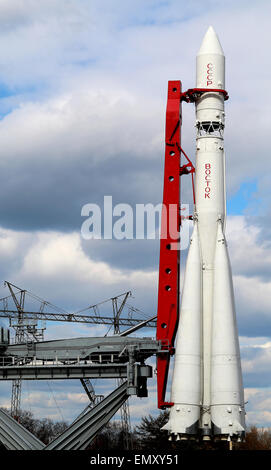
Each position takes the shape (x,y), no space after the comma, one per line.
(83,87)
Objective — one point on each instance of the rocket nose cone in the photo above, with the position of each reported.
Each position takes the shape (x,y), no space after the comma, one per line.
(210,43)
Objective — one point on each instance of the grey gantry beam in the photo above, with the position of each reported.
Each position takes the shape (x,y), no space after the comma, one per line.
(138,326)
(77,358)
(26,331)
(72,317)
(95,358)
(96,349)
(55,372)
(14,436)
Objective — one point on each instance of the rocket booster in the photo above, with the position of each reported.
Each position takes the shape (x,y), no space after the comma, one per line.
(207,389)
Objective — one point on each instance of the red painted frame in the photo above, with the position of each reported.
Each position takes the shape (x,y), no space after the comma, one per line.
(169,265)
(168,288)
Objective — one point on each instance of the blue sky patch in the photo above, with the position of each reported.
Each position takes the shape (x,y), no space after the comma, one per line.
(245,196)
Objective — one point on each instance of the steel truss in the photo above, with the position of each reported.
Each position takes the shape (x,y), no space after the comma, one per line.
(119,357)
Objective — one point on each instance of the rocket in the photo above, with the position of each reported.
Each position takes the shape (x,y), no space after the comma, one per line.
(207,390)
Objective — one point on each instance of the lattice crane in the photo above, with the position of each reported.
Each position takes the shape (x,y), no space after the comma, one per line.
(27,329)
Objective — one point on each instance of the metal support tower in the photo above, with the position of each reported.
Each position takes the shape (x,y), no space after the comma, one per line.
(169,265)
(92,317)
(93,398)
(23,331)
(25,324)
(124,410)
(117,356)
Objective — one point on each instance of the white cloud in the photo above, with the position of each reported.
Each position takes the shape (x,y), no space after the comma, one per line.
(117,99)
(61,255)
(253,295)
(258,407)
(55,254)
(88,122)
(54,266)
(90,87)
(250,255)
(8,243)
(260,362)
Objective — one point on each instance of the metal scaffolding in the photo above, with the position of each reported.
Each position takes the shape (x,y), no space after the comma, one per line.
(24,331)
(124,410)
(118,356)
(25,324)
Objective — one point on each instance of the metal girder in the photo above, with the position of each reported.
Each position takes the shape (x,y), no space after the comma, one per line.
(78,358)
(124,409)
(88,387)
(14,436)
(70,317)
(137,326)
(81,432)
(77,371)
(106,349)
(54,372)
(76,437)
(79,435)
(169,264)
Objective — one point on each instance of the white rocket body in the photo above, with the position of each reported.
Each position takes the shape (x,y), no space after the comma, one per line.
(186,394)
(207,389)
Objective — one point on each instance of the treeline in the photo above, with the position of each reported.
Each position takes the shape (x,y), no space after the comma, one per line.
(148,435)
(44,429)
(145,436)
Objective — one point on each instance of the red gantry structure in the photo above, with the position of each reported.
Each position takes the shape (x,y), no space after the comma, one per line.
(170,242)
(169,267)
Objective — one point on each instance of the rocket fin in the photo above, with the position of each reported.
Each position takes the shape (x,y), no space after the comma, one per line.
(186,381)
(227,400)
